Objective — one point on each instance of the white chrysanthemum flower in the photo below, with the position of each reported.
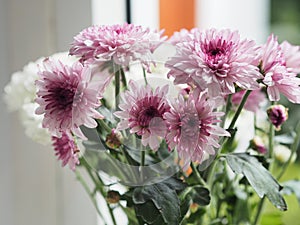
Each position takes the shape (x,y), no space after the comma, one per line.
(33,124)
(20,94)
(21,89)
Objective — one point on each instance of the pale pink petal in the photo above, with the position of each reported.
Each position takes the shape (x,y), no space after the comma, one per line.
(142,111)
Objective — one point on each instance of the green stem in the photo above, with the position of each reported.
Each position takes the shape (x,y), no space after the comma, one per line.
(198,176)
(117,88)
(107,204)
(91,195)
(271,140)
(111,213)
(143,155)
(104,125)
(123,78)
(259,210)
(145,77)
(129,161)
(293,150)
(99,186)
(223,140)
(227,109)
(271,147)
(212,169)
(238,111)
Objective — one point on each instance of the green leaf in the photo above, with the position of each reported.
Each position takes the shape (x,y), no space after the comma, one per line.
(158,203)
(258,176)
(147,212)
(200,195)
(292,187)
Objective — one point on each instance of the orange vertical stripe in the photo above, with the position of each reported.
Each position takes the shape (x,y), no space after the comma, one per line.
(176,14)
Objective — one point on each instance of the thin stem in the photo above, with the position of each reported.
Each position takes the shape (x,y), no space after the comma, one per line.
(259,210)
(111,213)
(227,109)
(198,176)
(293,150)
(145,77)
(271,147)
(129,161)
(238,111)
(211,173)
(91,195)
(123,78)
(104,125)
(271,140)
(99,186)
(143,155)
(117,89)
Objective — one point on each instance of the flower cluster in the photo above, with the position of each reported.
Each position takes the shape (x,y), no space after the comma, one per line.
(214,75)
(122,44)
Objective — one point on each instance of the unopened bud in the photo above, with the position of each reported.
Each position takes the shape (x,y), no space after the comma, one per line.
(113,197)
(257,144)
(113,140)
(277,114)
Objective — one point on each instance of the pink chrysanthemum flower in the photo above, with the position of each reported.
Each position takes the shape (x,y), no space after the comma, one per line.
(120,43)
(66,150)
(277,77)
(192,128)
(142,112)
(254,100)
(181,36)
(216,60)
(291,55)
(67,97)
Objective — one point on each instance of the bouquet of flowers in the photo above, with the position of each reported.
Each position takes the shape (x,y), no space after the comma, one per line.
(166,119)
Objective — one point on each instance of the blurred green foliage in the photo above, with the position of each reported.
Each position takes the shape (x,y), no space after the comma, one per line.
(285,23)
(285,20)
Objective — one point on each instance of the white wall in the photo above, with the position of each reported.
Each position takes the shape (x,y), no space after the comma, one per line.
(6,193)
(34,189)
(110,12)
(250,17)
(143,12)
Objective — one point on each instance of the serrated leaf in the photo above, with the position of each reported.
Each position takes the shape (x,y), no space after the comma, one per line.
(292,187)
(159,199)
(258,176)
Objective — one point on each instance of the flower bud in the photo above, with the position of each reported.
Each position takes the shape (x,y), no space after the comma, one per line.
(257,144)
(113,197)
(113,140)
(277,114)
